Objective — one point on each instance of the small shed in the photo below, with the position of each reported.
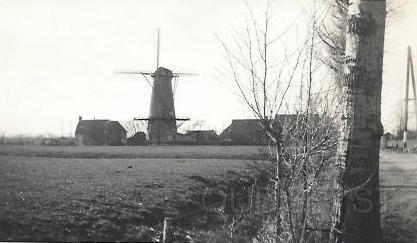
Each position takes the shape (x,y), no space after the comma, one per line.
(99,132)
(387,140)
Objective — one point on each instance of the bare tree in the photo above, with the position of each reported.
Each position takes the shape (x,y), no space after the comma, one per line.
(132,127)
(301,144)
(357,217)
(333,35)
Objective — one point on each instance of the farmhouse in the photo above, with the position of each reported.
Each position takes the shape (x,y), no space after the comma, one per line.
(99,132)
(244,132)
(250,131)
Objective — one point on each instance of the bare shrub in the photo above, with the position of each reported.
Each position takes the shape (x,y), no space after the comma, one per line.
(302,143)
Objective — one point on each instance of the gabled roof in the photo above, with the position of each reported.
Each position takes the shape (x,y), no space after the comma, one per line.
(244,124)
(253,125)
(241,125)
(95,126)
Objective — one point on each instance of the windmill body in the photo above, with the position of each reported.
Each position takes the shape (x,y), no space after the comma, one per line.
(162,125)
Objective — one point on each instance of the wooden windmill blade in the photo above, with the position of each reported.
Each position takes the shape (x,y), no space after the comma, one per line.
(176,75)
(134,72)
(184,74)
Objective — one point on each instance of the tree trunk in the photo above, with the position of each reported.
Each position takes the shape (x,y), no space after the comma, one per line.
(357,215)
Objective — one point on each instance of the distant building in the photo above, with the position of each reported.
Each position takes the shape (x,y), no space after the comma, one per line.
(99,132)
(387,140)
(244,132)
(138,139)
(61,141)
(250,131)
(182,139)
(203,136)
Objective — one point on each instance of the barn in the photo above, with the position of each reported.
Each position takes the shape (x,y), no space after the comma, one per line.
(244,132)
(99,132)
(250,131)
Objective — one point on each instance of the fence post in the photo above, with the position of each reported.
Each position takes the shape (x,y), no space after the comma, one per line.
(167,234)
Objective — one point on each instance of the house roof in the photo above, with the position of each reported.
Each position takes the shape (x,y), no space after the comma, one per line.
(248,125)
(241,125)
(245,125)
(96,126)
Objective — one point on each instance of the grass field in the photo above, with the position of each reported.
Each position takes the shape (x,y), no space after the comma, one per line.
(109,193)
(129,152)
(62,197)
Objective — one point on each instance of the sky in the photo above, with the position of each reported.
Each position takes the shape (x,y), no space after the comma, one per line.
(58,58)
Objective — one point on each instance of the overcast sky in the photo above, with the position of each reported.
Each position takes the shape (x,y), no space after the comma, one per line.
(58,57)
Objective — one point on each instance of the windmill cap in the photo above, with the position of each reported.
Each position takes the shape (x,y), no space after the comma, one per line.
(161,71)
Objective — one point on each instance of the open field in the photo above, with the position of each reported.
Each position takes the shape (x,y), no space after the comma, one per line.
(129,152)
(62,198)
(108,193)
(398,173)
(398,177)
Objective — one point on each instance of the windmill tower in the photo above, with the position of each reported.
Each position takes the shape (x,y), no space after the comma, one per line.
(162,121)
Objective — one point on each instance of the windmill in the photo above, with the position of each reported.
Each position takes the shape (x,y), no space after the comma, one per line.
(162,121)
